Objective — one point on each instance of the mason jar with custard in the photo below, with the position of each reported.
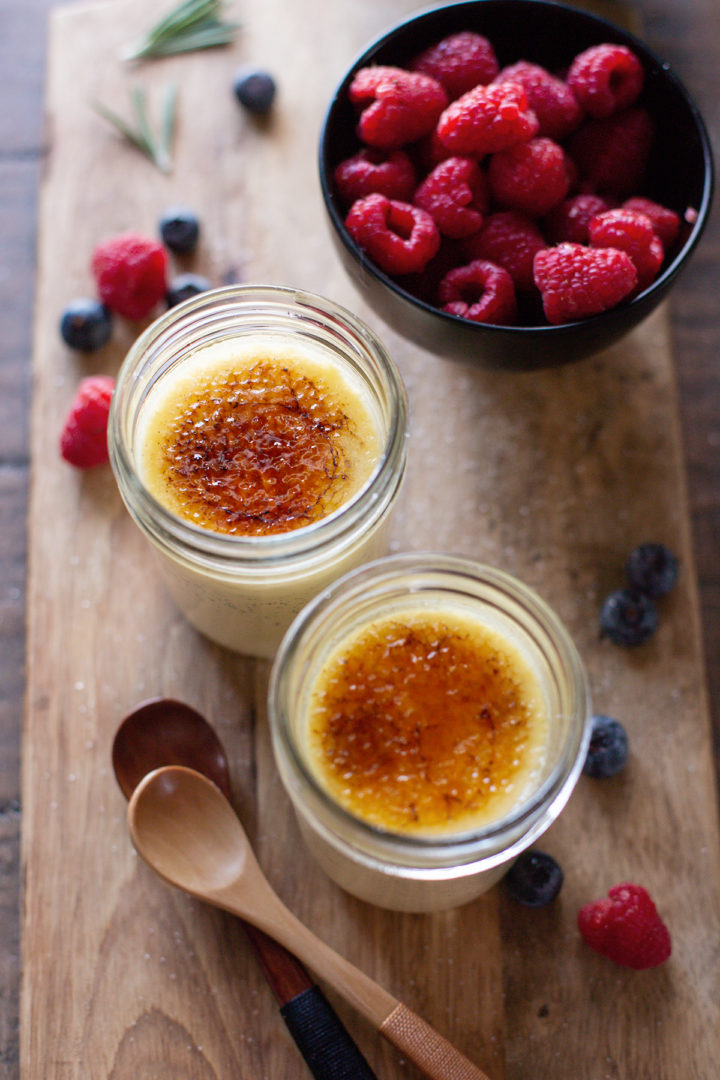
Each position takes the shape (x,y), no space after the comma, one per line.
(258,439)
(429,718)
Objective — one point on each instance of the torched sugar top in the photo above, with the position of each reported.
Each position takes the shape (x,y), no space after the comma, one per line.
(427,722)
(258,436)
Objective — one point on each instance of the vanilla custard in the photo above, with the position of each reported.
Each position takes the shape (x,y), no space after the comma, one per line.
(257,436)
(427,722)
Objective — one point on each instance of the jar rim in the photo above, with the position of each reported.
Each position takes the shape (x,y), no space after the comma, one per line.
(549,797)
(272,549)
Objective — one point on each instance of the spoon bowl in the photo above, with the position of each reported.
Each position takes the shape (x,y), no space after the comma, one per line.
(191,837)
(163,731)
(185,829)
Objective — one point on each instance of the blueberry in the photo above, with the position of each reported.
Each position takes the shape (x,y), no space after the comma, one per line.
(255,90)
(179,229)
(628,617)
(535,879)
(184,286)
(85,325)
(652,568)
(608,749)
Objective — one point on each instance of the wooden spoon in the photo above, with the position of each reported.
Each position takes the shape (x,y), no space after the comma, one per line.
(184,827)
(163,732)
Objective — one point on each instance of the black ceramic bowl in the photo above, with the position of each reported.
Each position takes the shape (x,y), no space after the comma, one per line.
(679,175)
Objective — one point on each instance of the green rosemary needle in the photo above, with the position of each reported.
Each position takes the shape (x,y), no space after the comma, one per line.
(157,147)
(193,24)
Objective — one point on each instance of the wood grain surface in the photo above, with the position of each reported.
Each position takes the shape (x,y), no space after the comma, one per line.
(552,475)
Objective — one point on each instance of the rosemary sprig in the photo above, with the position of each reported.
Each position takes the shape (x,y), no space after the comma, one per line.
(193,24)
(157,147)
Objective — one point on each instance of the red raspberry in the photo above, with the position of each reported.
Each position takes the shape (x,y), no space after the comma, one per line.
(632,232)
(487,119)
(570,219)
(130,272)
(455,193)
(459,62)
(611,155)
(576,281)
(371,171)
(83,441)
(626,928)
(532,177)
(399,237)
(606,79)
(552,100)
(511,240)
(400,106)
(430,151)
(481,292)
(665,222)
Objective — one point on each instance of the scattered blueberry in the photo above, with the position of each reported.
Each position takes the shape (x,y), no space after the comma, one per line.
(179,229)
(628,617)
(85,325)
(652,568)
(535,879)
(184,286)
(255,90)
(608,749)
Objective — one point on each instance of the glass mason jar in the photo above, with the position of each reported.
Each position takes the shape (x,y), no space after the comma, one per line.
(407,871)
(243,591)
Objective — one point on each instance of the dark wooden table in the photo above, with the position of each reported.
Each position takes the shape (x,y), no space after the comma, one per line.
(686,32)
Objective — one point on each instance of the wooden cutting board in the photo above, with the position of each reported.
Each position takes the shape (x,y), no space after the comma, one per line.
(552,475)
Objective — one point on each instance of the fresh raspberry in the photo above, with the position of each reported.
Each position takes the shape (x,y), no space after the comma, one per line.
(429,151)
(551,99)
(371,171)
(399,237)
(626,928)
(665,221)
(570,219)
(531,177)
(632,232)
(398,106)
(611,155)
(605,79)
(576,281)
(455,193)
(130,272)
(511,240)
(459,62)
(83,441)
(481,292)
(487,119)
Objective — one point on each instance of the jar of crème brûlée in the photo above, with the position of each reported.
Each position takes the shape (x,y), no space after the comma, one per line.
(429,719)
(257,435)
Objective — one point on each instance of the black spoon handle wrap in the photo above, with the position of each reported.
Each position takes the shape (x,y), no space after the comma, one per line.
(329,1051)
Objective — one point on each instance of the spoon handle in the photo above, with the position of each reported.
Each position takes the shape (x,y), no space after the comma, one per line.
(417,1040)
(317,1030)
(426,1048)
(325,1044)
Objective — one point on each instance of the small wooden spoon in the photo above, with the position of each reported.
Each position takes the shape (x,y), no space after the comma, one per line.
(184,827)
(163,732)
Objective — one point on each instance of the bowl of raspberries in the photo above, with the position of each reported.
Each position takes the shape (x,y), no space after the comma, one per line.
(513,181)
